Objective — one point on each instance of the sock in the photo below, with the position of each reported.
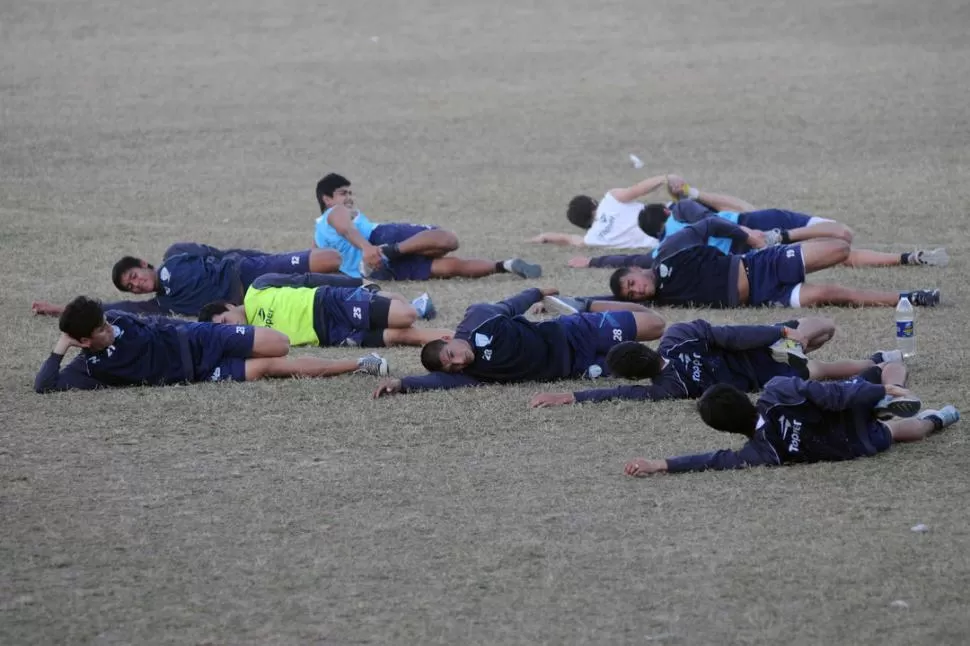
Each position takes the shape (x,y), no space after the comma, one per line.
(877,358)
(503,266)
(785,237)
(937,422)
(391,251)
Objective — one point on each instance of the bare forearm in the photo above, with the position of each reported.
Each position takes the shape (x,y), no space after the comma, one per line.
(720,202)
(566,239)
(342,221)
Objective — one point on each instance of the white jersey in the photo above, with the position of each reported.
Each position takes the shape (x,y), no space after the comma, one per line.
(616,225)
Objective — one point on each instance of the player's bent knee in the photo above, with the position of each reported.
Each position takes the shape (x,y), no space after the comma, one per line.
(449,241)
(324,261)
(401,315)
(270,343)
(847,234)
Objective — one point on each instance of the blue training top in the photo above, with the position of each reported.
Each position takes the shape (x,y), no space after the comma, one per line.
(327,237)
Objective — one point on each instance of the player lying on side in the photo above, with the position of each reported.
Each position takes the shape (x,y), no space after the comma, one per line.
(121,349)
(796,421)
(327,316)
(694,355)
(494,343)
(689,272)
(395,251)
(192,275)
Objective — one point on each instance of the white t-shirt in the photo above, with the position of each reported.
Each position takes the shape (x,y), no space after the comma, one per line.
(616,225)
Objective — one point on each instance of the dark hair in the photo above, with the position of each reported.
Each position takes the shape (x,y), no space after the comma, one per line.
(633,360)
(209,310)
(328,185)
(581,211)
(652,219)
(724,407)
(81,317)
(431,355)
(123,265)
(616,281)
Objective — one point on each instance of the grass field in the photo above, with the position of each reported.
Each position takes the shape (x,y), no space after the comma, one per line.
(304,512)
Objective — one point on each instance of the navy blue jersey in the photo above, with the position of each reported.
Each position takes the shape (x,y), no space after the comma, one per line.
(690,273)
(699,355)
(145,351)
(804,421)
(507,347)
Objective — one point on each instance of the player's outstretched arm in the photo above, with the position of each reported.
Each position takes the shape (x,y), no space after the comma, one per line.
(638,190)
(679,189)
(431,381)
(565,239)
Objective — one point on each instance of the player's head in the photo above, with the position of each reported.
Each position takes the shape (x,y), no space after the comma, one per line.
(724,407)
(652,219)
(222,312)
(446,355)
(632,284)
(332,190)
(83,320)
(581,211)
(134,275)
(633,360)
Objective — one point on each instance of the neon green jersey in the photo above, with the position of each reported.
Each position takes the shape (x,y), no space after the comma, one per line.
(287,309)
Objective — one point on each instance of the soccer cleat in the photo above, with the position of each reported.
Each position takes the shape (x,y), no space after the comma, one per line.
(889,407)
(524,269)
(887,356)
(930,257)
(425,307)
(946,416)
(772,238)
(924,297)
(373,364)
(791,353)
(563,305)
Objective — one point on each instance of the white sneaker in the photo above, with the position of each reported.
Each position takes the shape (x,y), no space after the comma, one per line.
(562,305)
(931,257)
(373,364)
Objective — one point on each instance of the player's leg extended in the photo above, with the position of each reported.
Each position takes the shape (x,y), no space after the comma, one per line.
(264,368)
(920,257)
(845,369)
(926,422)
(452,267)
(827,294)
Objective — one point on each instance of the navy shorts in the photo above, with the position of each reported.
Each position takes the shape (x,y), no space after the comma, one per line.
(874,438)
(219,352)
(349,316)
(592,335)
(769,219)
(774,274)
(251,268)
(409,267)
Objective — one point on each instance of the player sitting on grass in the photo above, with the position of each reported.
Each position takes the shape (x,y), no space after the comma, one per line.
(120,349)
(689,272)
(395,251)
(694,355)
(192,275)
(797,421)
(327,316)
(494,343)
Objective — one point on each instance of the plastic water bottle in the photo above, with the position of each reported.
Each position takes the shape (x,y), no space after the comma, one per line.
(905,327)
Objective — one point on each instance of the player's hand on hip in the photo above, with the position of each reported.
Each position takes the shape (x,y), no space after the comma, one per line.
(579,262)
(548,400)
(388,387)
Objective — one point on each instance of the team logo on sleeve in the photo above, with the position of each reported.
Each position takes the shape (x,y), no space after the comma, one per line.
(665,271)
(482,341)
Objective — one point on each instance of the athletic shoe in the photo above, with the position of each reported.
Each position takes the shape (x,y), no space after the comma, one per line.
(887,356)
(425,307)
(524,269)
(372,364)
(931,257)
(791,353)
(773,237)
(889,407)
(946,416)
(924,297)
(371,287)
(564,305)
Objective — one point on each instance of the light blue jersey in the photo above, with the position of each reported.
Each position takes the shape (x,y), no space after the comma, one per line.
(674,225)
(327,237)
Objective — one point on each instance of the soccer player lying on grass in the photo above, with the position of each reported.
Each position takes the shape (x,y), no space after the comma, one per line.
(395,251)
(775,226)
(695,355)
(494,343)
(327,316)
(689,272)
(610,222)
(121,349)
(797,421)
(192,275)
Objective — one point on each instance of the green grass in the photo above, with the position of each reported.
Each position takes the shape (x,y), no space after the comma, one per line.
(305,512)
